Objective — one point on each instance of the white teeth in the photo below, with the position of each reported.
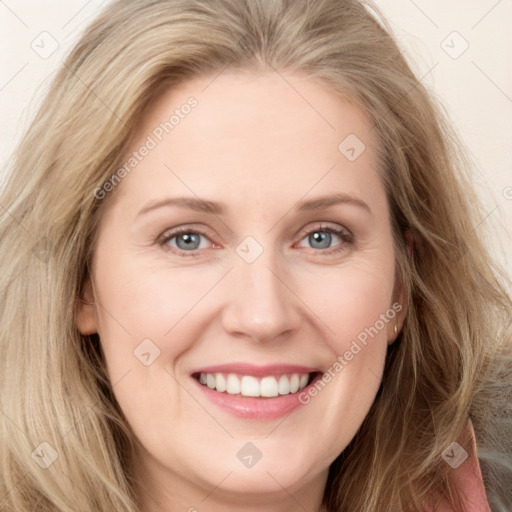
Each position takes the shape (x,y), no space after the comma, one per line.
(268,387)
(284,385)
(233,384)
(294,383)
(210,381)
(248,385)
(220,382)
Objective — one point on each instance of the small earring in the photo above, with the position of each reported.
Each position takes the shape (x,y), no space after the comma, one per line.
(396,329)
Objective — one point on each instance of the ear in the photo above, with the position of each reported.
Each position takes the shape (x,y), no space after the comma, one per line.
(86,318)
(400,299)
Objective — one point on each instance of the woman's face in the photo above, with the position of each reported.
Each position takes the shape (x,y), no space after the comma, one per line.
(283,271)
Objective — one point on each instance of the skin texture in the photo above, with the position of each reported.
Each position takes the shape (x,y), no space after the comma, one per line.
(257,145)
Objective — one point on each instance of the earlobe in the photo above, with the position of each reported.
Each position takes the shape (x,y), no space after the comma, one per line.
(400,307)
(404,298)
(396,325)
(400,299)
(85,311)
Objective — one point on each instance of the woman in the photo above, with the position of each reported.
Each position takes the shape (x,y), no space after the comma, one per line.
(183,343)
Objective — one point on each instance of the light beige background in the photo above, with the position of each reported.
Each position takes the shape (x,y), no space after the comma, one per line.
(460,49)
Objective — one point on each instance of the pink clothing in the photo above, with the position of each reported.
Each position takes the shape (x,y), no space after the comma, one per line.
(468,478)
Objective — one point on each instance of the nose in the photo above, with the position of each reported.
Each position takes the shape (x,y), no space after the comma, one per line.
(262,304)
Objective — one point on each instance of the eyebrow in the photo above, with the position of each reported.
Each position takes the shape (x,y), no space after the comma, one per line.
(214,208)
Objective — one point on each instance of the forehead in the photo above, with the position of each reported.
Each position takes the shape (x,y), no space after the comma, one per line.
(252,133)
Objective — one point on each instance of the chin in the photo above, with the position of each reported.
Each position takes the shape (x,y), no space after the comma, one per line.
(259,481)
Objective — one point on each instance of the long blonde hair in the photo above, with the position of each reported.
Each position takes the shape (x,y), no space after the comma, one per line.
(65,444)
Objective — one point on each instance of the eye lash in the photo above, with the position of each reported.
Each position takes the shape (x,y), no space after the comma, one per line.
(343,233)
(166,236)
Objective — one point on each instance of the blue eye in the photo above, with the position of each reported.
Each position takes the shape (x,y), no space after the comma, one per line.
(188,242)
(321,238)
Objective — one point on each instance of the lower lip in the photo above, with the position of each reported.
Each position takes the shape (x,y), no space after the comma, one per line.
(254,408)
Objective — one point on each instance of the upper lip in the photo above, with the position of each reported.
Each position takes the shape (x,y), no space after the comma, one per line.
(256,371)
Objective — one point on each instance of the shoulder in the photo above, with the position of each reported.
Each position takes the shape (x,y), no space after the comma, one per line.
(466,475)
(491,414)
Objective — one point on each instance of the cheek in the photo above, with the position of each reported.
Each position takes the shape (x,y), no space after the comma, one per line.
(142,320)
(355,307)
(142,302)
(351,299)
(146,302)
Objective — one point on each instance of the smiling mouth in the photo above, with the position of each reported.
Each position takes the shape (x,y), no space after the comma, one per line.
(250,386)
